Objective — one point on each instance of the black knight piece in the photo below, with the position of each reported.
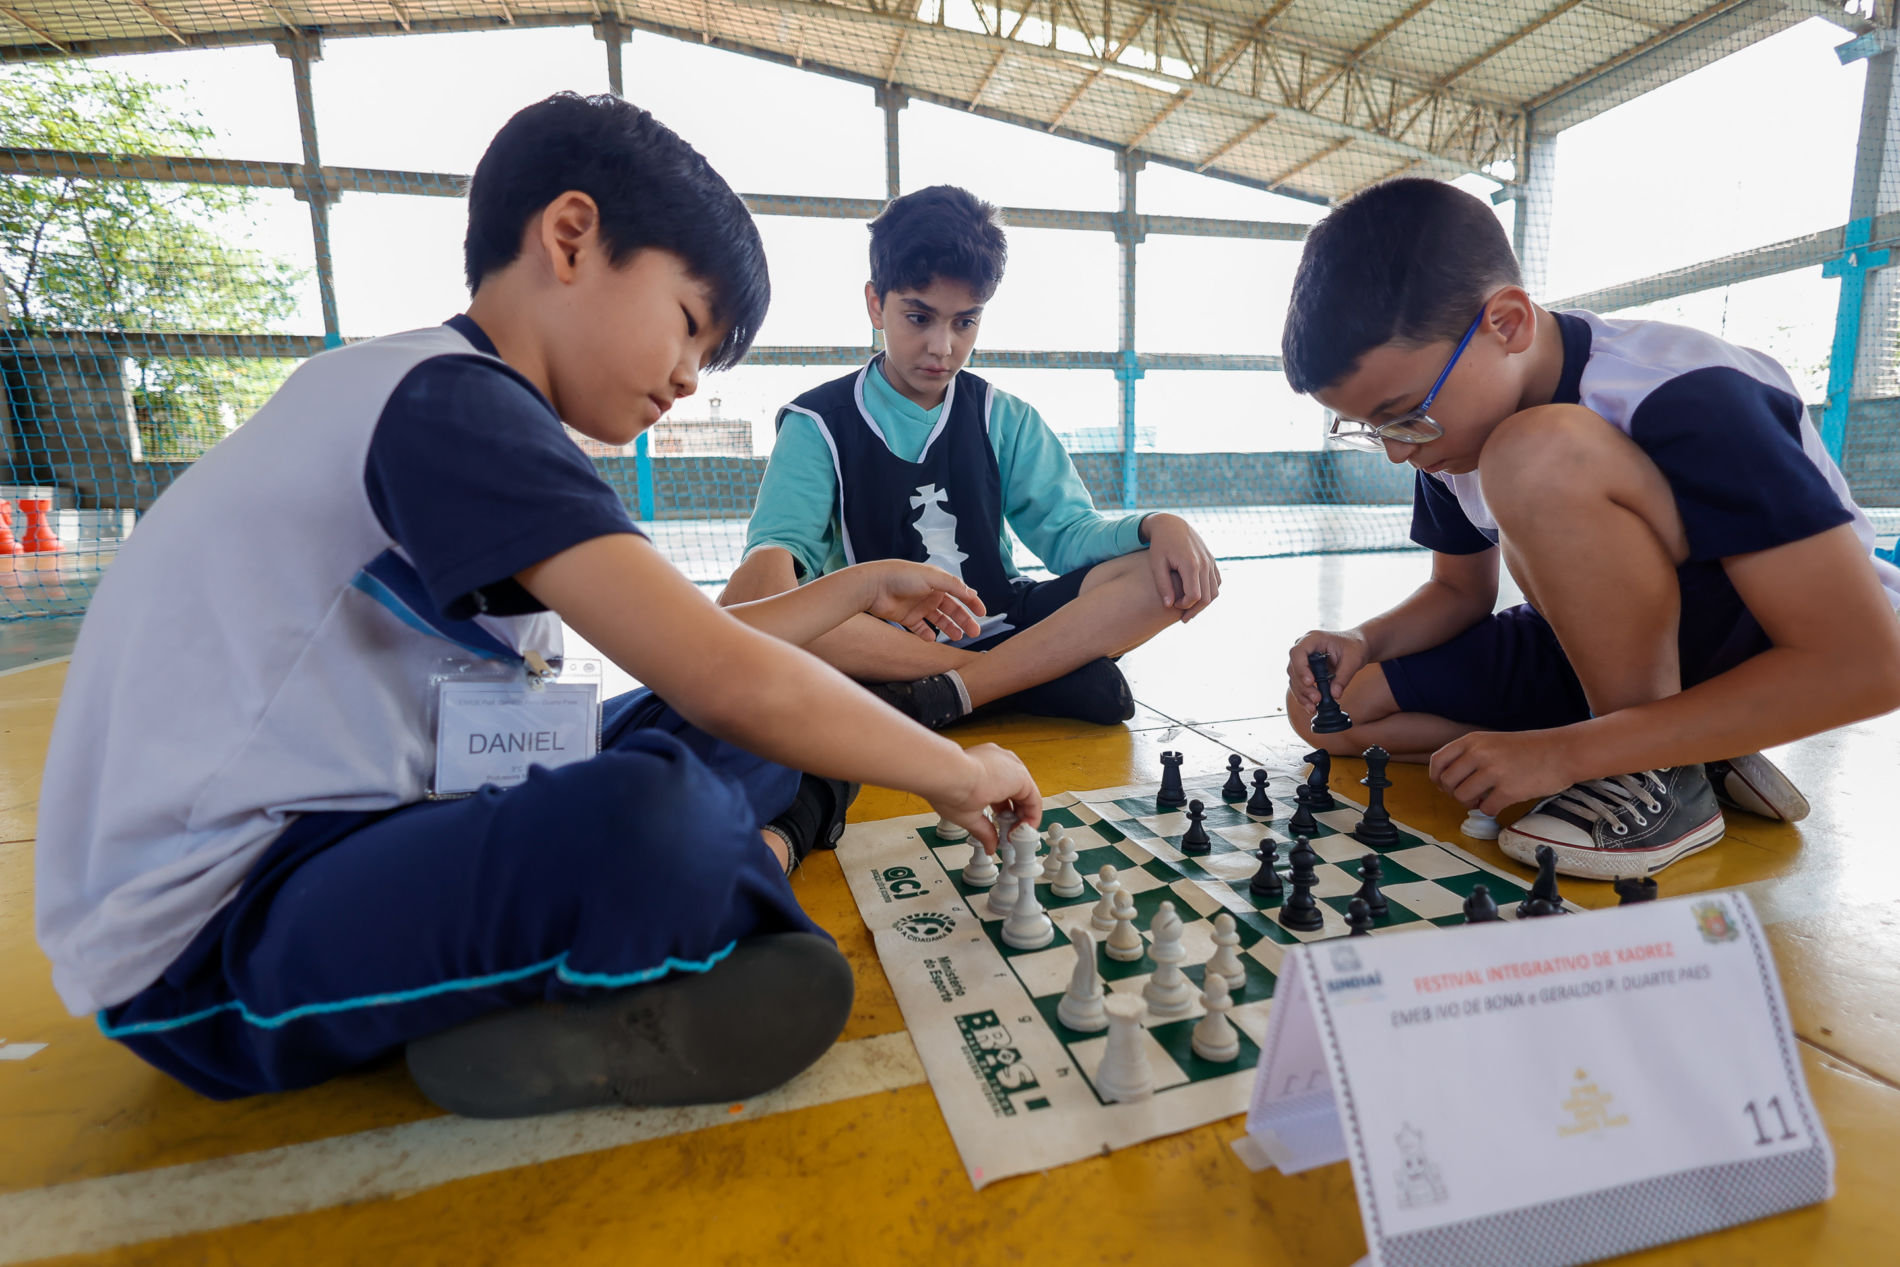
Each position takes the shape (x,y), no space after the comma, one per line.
(1543,899)
(1171,795)
(1480,907)
(1375,827)
(1331,718)
(1235,789)
(1631,889)
(1266,881)
(1322,796)
(1260,804)
(1371,871)
(1195,840)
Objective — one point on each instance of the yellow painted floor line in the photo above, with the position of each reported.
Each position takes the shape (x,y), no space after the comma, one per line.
(97,1214)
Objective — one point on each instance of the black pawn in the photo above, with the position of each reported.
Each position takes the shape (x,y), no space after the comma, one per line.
(1359,918)
(1480,908)
(1266,881)
(1171,795)
(1631,889)
(1321,795)
(1235,789)
(1303,823)
(1260,805)
(1300,912)
(1543,889)
(1331,718)
(1370,873)
(1195,840)
(1375,827)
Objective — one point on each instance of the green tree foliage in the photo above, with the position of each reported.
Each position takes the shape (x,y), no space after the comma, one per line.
(83,252)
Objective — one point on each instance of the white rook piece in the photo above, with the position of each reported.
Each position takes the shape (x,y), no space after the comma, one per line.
(1003,896)
(1124,944)
(1214,1038)
(1225,962)
(1102,917)
(1027,926)
(1125,1073)
(1169,993)
(1081,1007)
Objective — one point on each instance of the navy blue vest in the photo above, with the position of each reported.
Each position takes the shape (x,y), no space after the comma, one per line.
(946,508)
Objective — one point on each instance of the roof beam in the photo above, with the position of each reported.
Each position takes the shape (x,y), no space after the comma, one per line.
(1180,99)
(1239,138)
(170,28)
(38,30)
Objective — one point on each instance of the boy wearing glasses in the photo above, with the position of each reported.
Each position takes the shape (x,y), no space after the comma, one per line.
(1701,583)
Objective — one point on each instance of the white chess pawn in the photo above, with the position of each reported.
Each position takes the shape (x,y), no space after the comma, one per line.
(950,833)
(980,870)
(1169,993)
(1214,1038)
(1479,826)
(1003,896)
(1125,1073)
(1225,961)
(1027,926)
(1068,881)
(1102,917)
(1081,1006)
(1124,944)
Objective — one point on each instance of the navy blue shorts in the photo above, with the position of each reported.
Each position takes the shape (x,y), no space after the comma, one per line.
(358,932)
(1508,671)
(1031,602)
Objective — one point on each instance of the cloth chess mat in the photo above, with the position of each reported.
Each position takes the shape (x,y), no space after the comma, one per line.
(1016,1085)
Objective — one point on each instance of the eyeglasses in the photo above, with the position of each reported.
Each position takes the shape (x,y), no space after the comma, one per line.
(1416,427)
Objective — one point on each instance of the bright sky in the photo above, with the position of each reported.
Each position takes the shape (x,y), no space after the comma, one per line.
(1754,149)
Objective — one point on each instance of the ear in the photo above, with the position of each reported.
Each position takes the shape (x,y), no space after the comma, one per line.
(1511,314)
(570,231)
(874,305)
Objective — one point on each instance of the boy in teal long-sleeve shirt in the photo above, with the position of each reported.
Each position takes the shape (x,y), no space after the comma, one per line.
(911,457)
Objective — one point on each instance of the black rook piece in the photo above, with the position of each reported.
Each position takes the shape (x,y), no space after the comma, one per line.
(1370,873)
(1543,899)
(1322,796)
(1266,881)
(1359,917)
(1376,828)
(1631,889)
(1171,795)
(1480,908)
(1303,823)
(1195,840)
(1331,718)
(1235,789)
(1260,805)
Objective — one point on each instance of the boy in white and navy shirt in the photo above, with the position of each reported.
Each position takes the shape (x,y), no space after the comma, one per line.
(241,868)
(1701,583)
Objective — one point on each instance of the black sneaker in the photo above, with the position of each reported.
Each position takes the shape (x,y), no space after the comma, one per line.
(1752,783)
(1097,692)
(815,818)
(762,1015)
(929,701)
(1627,825)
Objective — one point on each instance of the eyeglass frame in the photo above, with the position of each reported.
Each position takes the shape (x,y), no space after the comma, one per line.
(1372,439)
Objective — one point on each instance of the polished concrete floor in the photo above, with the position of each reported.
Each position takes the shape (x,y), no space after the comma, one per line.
(107,1161)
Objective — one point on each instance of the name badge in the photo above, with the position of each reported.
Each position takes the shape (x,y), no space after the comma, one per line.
(491,732)
(1584,1085)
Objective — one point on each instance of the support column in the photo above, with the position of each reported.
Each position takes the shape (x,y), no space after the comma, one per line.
(1861,362)
(1536,195)
(613,34)
(303,50)
(892,101)
(1128,372)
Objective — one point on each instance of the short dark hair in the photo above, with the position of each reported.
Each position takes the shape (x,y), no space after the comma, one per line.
(653,190)
(1409,262)
(938,232)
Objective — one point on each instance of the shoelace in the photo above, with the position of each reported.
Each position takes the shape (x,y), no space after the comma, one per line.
(1608,800)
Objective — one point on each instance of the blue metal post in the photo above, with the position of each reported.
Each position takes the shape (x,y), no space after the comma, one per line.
(1852,268)
(1128,370)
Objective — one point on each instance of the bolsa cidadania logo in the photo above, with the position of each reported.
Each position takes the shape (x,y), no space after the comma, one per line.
(925,926)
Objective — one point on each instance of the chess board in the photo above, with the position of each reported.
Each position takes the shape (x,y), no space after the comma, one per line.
(1015,1085)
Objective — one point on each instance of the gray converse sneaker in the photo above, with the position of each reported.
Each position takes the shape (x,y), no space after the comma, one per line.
(1752,783)
(1627,825)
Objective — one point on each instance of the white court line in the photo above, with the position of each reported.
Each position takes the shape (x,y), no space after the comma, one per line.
(96,1214)
(37,664)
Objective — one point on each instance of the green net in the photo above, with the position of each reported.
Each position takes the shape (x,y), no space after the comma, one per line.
(196,196)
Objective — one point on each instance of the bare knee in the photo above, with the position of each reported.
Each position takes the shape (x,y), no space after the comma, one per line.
(1549,451)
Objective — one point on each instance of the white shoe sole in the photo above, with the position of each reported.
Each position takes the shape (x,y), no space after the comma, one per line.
(1770,786)
(1610,864)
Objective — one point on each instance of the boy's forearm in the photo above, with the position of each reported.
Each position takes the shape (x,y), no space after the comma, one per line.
(807,612)
(1781,695)
(1432,615)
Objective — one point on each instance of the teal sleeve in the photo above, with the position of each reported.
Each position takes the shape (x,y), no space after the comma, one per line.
(798,499)
(1044,498)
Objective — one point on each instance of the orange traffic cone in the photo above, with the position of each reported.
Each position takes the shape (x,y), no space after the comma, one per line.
(7,543)
(40,538)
